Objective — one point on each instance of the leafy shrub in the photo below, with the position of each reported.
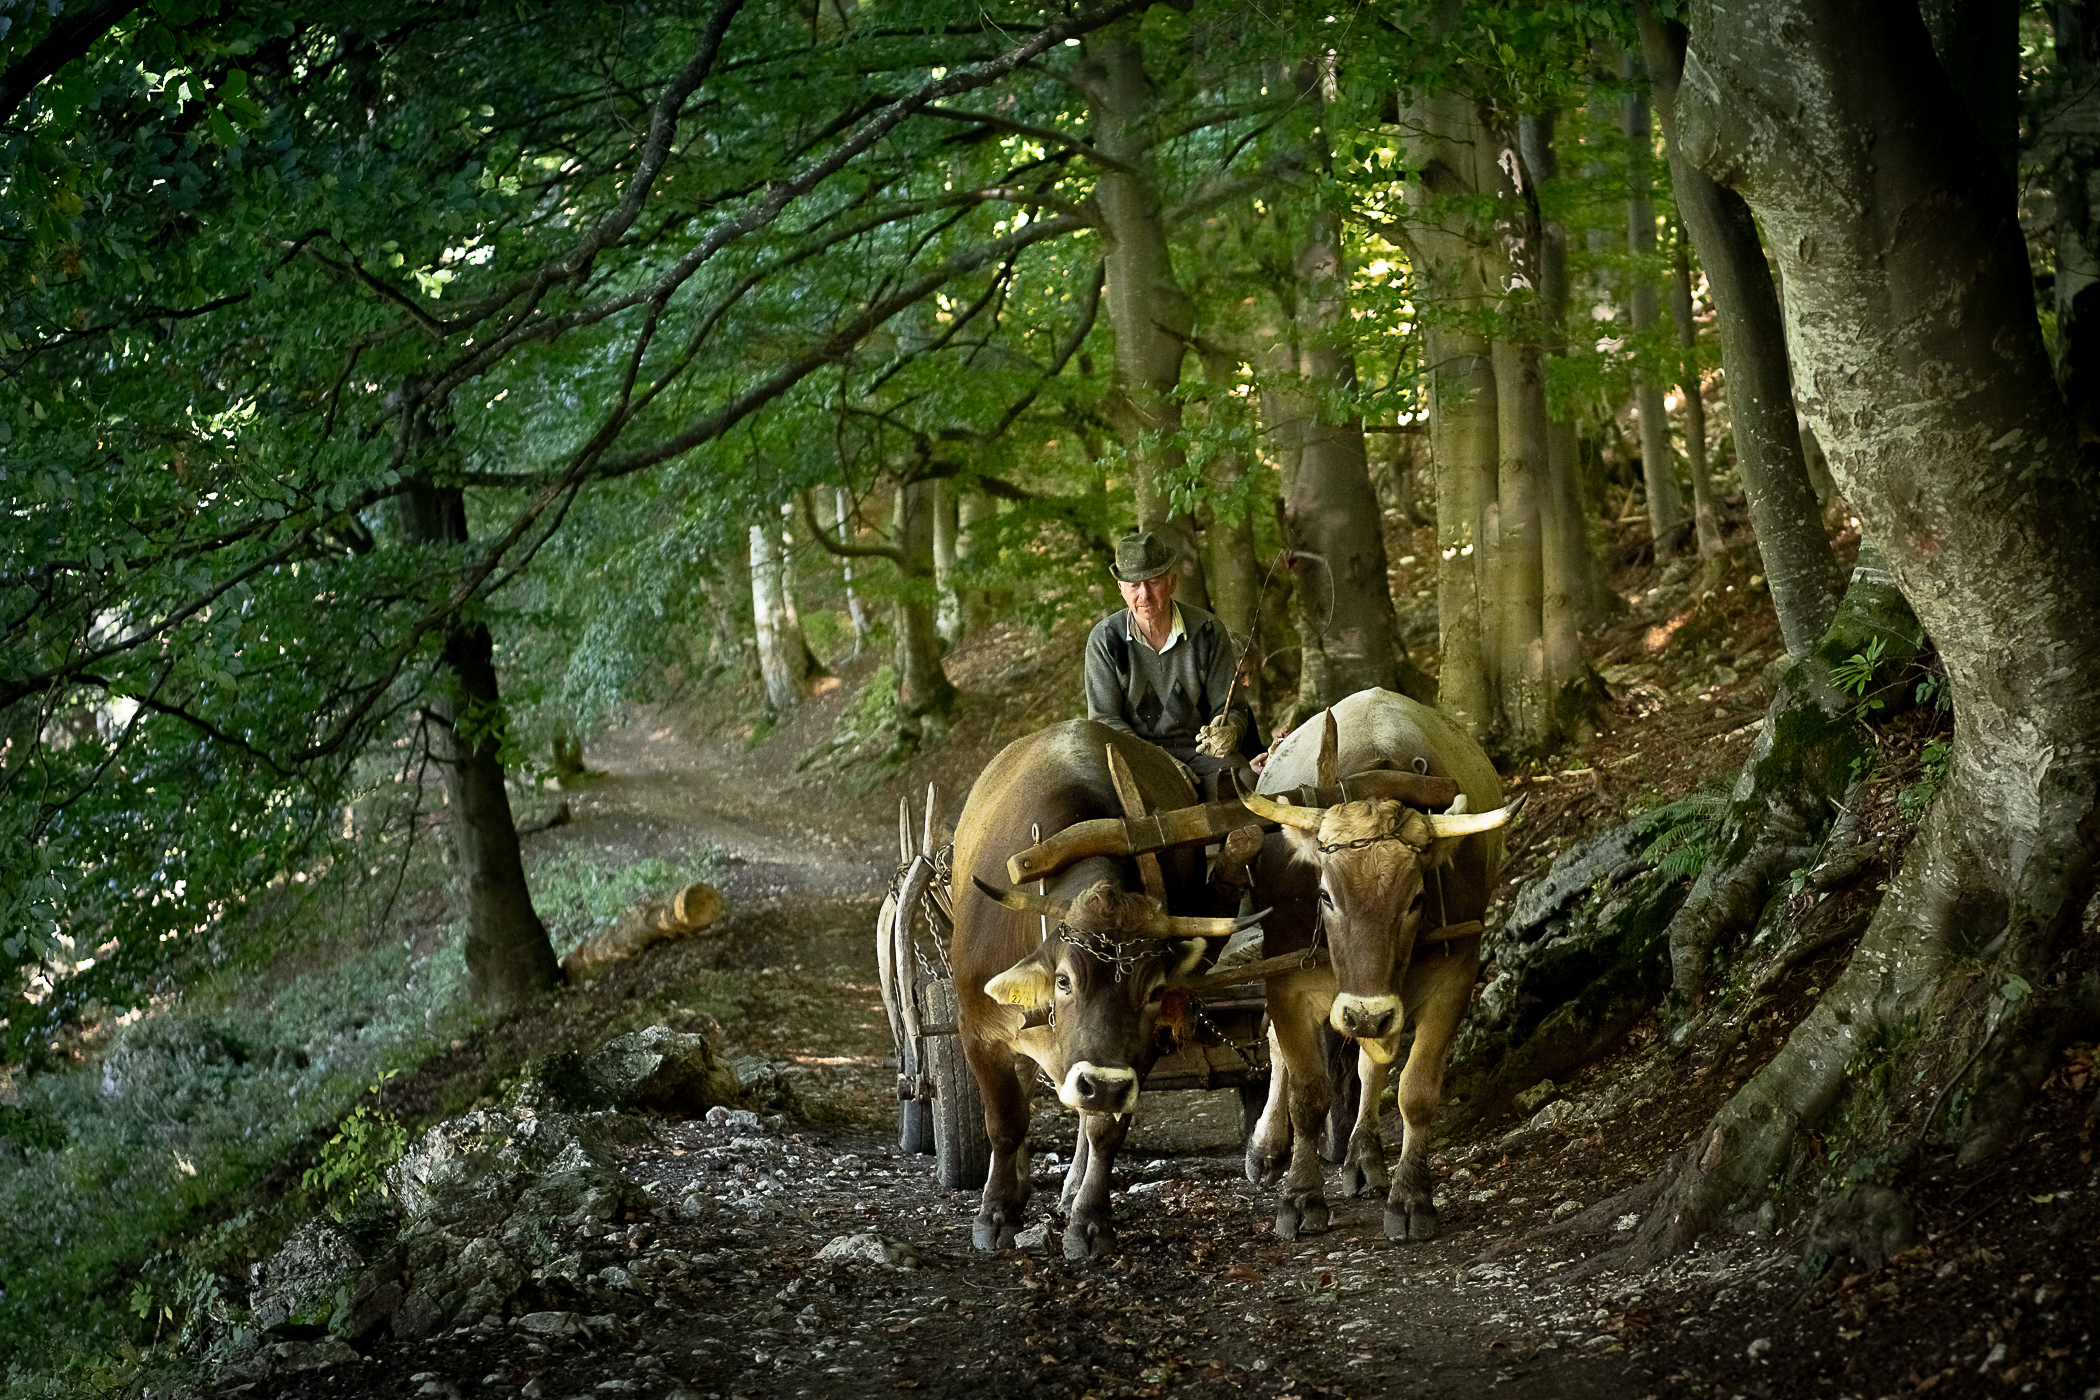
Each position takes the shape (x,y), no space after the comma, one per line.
(352,1165)
(1935,759)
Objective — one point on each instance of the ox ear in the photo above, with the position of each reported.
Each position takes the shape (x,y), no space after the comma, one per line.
(1303,844)
(1437,853)
(1027,984)
(1183,957)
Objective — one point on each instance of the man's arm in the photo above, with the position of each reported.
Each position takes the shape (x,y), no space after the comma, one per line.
(1220,697)
(1104,686)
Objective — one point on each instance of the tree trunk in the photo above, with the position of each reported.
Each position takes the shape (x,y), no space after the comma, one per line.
(924,691)
(2067,151)
(853,607)
(1688,381)
(1448,145)
(509,958)
(1784,505)
(1524,715)
(974,610)
(1462,424)
(1235,585)
(1658,462)
(1924,370)
(780,644)
(1577,592)
(1147,308)
(1331,506)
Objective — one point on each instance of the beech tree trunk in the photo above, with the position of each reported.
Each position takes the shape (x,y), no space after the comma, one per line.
(854,610)
(946,525)
(1147,308)
(974,611)
(1688,383)
(1577,592)
(783,656)
(1923,368)
(1235,583)
(923,688)
(509,958)
(1447,144)
(1330,503)
(1785,512)
(1658,462)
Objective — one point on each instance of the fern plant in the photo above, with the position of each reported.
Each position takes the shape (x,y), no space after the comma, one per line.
(1679,838)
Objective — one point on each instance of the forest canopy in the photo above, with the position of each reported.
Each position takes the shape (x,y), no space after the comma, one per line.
(399,392)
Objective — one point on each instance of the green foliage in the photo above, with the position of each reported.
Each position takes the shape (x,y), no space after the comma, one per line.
(577,889)
(1855,674)
(352,1164)
(1679,839)
(1935,759)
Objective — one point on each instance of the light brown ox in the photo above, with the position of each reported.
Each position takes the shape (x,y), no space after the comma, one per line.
(1086,1004)
(1374,880)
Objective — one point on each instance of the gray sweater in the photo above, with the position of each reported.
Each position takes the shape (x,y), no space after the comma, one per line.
(1164,697)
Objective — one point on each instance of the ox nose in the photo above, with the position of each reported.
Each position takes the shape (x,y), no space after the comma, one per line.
(1364,1019)
(1096,1089)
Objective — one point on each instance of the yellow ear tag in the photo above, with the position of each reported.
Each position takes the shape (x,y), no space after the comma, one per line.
(1026,984)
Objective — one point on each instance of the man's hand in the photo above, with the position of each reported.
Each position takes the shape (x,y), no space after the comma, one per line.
(1221,737)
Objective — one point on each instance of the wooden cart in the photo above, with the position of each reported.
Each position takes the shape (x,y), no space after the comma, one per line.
(939,1108)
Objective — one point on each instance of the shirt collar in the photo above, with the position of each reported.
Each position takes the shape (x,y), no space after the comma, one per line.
(1174,633)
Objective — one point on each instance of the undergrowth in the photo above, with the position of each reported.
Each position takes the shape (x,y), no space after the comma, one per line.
(221,1118)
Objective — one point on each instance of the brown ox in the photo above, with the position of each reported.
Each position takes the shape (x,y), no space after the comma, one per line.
(1077,980)
(1380,883)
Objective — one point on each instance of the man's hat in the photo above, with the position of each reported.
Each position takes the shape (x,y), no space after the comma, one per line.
(1141,556)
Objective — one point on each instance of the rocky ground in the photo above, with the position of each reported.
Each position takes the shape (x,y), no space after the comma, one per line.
(545,1245)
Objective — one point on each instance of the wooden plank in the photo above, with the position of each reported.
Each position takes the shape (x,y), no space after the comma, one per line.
(1134,807)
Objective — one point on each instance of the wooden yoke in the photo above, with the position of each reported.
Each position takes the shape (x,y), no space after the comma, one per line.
(1282,963)
(1139,834)
(1133,809)
(1110,836)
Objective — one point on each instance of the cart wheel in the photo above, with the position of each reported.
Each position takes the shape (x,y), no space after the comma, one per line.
(1253,1099)
(962,1153)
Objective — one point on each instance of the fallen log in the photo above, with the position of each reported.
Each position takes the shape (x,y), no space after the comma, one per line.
(644,925)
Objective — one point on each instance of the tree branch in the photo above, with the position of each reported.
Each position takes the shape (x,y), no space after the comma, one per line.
(1040,133)
(71,36)
(842,549)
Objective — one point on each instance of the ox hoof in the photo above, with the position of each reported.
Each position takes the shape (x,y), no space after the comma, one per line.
(1086,1241)
(1293,1221)
(1357,1182)
(1403,1225)
(991,1234)
(1266,1170)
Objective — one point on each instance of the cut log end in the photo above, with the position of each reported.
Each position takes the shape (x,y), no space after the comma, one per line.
(644,925)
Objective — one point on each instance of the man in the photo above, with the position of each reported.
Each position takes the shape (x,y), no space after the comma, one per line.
(1164,672)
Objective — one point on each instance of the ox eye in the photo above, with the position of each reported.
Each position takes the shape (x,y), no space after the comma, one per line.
(1064,983)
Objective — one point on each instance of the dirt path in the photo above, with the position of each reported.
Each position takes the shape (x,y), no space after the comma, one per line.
(725,1294)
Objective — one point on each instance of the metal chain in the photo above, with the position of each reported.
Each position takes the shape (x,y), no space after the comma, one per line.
(1121,956)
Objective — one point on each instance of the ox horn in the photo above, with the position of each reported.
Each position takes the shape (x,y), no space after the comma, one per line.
(1284,813)
(1023,902)
(1452,824)
(1327,768)
(1194,926)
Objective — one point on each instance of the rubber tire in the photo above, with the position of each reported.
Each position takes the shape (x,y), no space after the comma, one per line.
(1253,1099)
(962,1153)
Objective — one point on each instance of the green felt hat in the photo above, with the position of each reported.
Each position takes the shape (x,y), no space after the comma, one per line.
(1141,556)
